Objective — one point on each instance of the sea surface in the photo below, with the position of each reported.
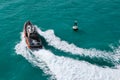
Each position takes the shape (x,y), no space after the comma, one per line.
(91,53)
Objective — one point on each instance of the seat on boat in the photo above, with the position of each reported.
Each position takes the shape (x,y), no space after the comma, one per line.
(34,36)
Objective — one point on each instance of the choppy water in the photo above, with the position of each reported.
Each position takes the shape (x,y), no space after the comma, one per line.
(92,53)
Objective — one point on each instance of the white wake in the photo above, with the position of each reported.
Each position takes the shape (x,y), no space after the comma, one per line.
(66,68)
(21,49)
(57,43)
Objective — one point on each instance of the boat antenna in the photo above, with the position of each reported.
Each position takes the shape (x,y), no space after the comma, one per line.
(75,23)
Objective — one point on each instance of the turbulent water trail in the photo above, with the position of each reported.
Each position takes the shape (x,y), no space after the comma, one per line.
(66,47)
(63,68)
(21,49)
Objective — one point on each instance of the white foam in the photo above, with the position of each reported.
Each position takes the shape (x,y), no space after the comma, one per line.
(68,69)
(21,49)
(66,47)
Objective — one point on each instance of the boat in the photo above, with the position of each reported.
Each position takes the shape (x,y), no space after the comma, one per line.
(32,38)
(75,26)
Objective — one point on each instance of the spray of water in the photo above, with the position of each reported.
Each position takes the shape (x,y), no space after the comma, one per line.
(63,68)
(57,43)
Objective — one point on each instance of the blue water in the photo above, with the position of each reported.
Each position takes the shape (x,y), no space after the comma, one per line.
(99,28)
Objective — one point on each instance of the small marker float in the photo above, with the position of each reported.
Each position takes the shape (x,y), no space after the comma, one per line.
(75,26)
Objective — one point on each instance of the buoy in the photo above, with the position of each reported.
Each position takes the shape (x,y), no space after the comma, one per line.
(75,26)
